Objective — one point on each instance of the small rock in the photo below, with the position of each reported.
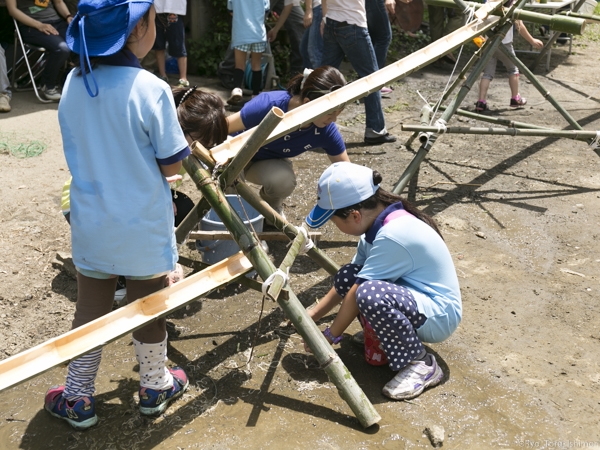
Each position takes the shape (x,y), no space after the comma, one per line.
(481,235)
(28,297)
(435,433)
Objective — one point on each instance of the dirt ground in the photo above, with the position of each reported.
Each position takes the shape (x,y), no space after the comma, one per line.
(520,216)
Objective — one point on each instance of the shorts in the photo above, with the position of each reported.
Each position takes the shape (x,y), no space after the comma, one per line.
(105,276)
(257,47)
(170,29)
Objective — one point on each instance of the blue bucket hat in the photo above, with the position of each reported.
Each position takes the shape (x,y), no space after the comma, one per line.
(342,184)
(101,28)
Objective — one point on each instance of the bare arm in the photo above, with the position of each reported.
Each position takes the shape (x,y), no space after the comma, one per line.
(324,8)
(234,123)
(327,303)
(28,21)
(61,8)
(285,13)
(171,169)
(341,157)
(308,13)
(523,31)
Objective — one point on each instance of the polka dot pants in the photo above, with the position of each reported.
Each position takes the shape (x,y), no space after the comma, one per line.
(392,312)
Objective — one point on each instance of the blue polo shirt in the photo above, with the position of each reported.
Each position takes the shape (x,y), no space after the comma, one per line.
(121,209)
(296,142)
(408,252)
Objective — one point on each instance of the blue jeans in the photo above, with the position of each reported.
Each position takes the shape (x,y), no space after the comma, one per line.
(380,29)
(311,46)
(56,49)
(344,39)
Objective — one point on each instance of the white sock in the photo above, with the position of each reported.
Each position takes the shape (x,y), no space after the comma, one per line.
(153,371)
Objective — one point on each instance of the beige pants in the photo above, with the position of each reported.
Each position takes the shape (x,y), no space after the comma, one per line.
(277,178)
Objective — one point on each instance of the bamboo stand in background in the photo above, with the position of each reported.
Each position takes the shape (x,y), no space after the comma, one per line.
(427,134)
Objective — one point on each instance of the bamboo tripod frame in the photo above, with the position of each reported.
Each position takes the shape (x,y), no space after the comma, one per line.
(427,134)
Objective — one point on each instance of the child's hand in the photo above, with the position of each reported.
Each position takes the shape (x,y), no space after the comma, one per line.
(174,178)
(537,43)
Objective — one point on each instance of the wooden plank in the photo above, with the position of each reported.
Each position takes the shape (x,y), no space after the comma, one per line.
(70,345)
(263,235)
(303,115)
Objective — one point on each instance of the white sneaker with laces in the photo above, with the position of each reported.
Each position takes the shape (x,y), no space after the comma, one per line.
(51,94)
(236,96)
(412,380)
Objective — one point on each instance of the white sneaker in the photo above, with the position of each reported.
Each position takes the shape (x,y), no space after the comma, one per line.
(236,96)
(4,102)
(51,94)
(413,379)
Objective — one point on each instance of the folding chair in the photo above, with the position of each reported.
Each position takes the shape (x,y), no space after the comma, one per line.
(32,57)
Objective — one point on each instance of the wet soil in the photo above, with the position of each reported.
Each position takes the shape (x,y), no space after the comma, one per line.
(520,216)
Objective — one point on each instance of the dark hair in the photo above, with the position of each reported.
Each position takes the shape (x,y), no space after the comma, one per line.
(317,84)
(201,116)
(386,198)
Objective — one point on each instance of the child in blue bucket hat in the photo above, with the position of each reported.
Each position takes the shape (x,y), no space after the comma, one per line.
(121,138)
(401,282)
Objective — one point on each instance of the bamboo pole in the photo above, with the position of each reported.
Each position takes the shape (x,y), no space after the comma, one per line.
(250,147)
(588,17)
(293,309)
(459,78)
(565,24)
(413,166)
(95,334)
(261,235)
(496,120)
(288,261)
(303,115)
(316,254)
(542,90)
(578,135)
(231,172)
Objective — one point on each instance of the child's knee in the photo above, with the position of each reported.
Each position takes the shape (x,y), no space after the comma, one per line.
(345,278)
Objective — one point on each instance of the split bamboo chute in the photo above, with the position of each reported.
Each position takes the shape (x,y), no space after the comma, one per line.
(92,335)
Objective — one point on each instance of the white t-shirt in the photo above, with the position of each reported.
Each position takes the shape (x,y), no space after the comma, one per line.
(509,36)
(178,7)
(351,11)
(291,2)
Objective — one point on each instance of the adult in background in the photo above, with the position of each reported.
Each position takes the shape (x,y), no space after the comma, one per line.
(171,29)
(294,25)
(311,46)
(44,23)
(5,94)
(345,33)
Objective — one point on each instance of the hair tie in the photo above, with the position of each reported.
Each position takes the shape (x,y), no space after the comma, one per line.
(186,95)
(305,75)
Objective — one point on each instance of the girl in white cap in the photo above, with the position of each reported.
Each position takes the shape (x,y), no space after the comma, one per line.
(121,138)
(401,281)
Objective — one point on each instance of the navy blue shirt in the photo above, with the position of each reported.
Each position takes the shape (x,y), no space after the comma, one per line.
(296,142)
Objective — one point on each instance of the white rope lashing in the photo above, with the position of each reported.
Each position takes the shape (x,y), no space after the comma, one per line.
(308,243)
(269,281)
(595,144)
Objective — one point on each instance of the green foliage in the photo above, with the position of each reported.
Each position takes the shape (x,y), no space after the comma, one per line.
(208,52)
(403,44)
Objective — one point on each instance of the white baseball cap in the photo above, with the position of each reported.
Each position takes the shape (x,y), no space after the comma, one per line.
(342,184)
